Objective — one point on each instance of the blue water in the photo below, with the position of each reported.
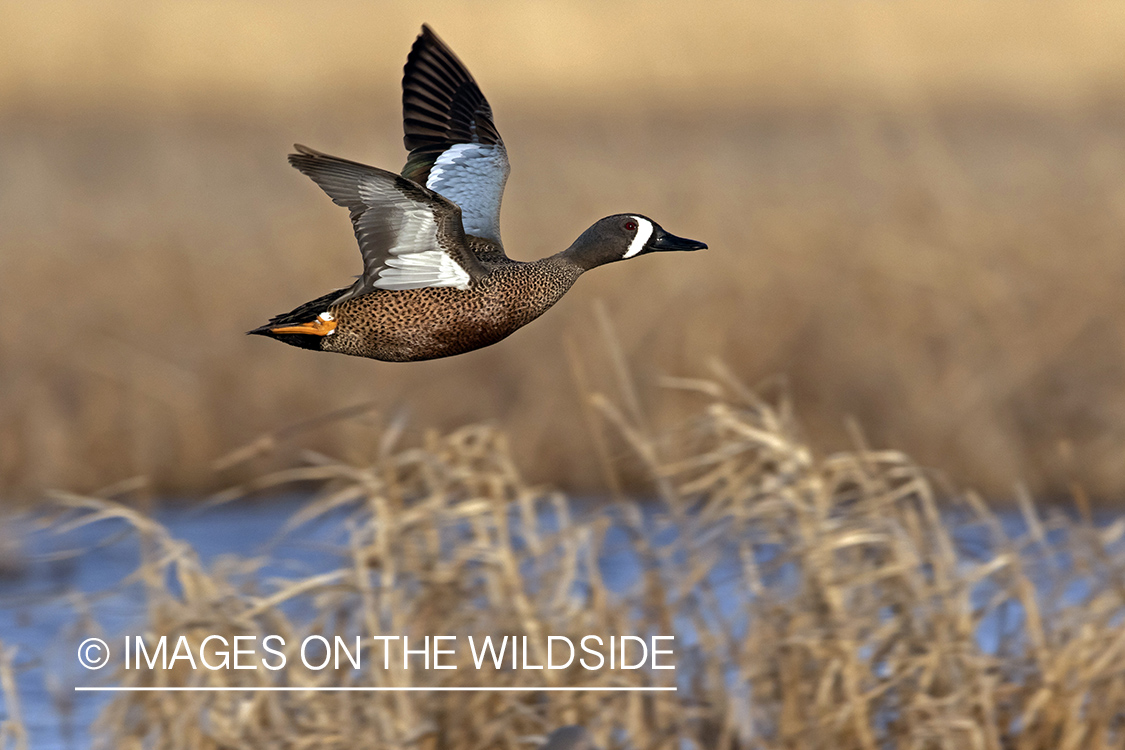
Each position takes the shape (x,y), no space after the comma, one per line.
(44,623)
(38,617)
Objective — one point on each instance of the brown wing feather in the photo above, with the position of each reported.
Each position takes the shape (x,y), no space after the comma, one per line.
(393,218)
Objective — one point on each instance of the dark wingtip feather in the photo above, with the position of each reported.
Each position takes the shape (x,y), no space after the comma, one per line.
(304,156)
(442,103)
(428,36)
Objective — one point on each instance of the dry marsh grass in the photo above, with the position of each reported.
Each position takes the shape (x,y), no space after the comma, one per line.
(818,601)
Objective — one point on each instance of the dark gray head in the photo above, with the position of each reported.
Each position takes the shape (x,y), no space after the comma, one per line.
(624,236)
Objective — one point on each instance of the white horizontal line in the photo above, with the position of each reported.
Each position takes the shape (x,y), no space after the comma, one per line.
(292,689)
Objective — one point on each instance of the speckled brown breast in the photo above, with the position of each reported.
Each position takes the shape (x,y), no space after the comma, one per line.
(432,322)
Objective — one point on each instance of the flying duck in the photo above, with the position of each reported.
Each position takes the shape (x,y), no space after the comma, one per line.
(436,280)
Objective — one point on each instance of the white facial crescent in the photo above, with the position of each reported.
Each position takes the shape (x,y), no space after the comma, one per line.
(644,231)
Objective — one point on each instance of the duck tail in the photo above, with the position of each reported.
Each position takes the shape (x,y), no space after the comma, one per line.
(305,326)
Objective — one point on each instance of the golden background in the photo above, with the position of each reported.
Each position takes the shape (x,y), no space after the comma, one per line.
(916,215)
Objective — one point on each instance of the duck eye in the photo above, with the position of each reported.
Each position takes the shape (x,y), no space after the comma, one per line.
(631,226)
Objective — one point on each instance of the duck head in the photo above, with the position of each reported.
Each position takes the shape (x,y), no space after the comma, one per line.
(625,236)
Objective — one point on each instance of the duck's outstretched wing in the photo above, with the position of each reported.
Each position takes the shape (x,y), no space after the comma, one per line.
(410,237)
(454,146)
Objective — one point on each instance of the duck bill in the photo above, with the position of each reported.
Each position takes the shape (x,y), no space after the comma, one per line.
(670,242)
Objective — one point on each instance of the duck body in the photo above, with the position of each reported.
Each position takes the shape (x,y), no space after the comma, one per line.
(431,322)
(436,280)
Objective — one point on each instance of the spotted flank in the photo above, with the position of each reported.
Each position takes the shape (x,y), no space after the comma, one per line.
(436,279)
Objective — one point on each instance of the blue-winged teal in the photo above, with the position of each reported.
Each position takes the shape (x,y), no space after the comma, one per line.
(436,281)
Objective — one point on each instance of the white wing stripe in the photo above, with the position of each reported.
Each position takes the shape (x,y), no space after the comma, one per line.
(425,268)
(415,260)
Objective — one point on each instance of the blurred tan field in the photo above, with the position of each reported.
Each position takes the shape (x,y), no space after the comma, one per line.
(916,216)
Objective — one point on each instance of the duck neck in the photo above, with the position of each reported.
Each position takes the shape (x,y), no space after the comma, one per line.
(583,255)
(565,264)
